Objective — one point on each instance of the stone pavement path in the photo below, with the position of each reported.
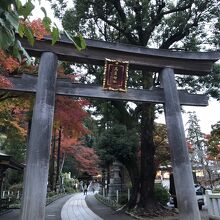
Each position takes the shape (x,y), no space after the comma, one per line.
(80,207)
(77,209)
(74,207)
(53,210)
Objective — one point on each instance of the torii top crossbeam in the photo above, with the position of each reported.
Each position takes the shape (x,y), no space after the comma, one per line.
(192,63)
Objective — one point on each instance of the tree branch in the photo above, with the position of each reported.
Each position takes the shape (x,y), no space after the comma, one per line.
(124,116)
(177,9)
(128,35)
(123,18)
(139,21)
(158,17)
(120,11)
(179,35)
(155,20)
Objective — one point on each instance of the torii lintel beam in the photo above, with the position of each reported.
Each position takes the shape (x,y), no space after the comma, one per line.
(192,63)
(28,83)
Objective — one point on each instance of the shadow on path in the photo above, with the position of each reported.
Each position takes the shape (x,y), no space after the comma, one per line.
(53,210)
(104,211)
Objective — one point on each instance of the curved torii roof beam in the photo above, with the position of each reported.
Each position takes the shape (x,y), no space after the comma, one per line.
(192,63)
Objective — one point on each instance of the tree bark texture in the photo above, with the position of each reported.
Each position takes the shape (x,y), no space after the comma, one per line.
(133,172)
(148,171)
(147,168)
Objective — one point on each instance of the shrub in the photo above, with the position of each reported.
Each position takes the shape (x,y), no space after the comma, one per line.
(161,194)
(51,194)
(123,198)
(216,191)
(16,187)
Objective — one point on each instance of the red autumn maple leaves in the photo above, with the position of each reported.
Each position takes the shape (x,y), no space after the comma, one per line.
(9,63)
(69,115)
(69,112)
(37,28)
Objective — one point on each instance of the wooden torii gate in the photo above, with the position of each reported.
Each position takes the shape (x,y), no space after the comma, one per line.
(167,63)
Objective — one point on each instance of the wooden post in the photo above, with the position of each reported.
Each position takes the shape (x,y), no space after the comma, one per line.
(182,171)
(36,175)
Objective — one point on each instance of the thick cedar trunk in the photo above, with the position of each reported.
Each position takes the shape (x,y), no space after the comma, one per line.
(148,171)
(133,172)
(52,162)
(142,194)
(58,157)
(62,162)
(108,177)
(210,178)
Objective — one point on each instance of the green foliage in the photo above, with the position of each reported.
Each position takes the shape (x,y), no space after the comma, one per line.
(70,165)
(26,9)
(10,25)
(117,143)
(10,13)
(207,84)
(123,198)
(69,185)
(13,15)
(16,187)
(89,139)
(216,191)
(13,177)
(12,128)
(51,194)
(214,140)
(78,40)
(107,201)
(55,35)
(196,139)
(15,146)
(161,194)
(15,143)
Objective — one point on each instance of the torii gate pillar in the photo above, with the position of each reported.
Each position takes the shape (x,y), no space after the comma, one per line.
(182,171)
(36,173)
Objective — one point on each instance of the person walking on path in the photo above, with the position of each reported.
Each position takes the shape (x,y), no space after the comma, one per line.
(85,189)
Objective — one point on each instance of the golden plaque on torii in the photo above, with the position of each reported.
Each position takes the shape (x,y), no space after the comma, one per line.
(115,75)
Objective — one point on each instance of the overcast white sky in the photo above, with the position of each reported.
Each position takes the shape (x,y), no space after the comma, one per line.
(207,115)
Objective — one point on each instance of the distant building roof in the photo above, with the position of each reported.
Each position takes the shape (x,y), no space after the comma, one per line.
(7,161)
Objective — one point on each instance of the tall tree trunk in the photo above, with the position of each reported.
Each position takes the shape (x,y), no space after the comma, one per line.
(52,160)
(133,172)
(148,170)
(210,177)
(62,162)
(58,157)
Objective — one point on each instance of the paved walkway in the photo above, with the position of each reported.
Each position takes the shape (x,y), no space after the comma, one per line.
(53,210)
(77,209)
(81,207)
